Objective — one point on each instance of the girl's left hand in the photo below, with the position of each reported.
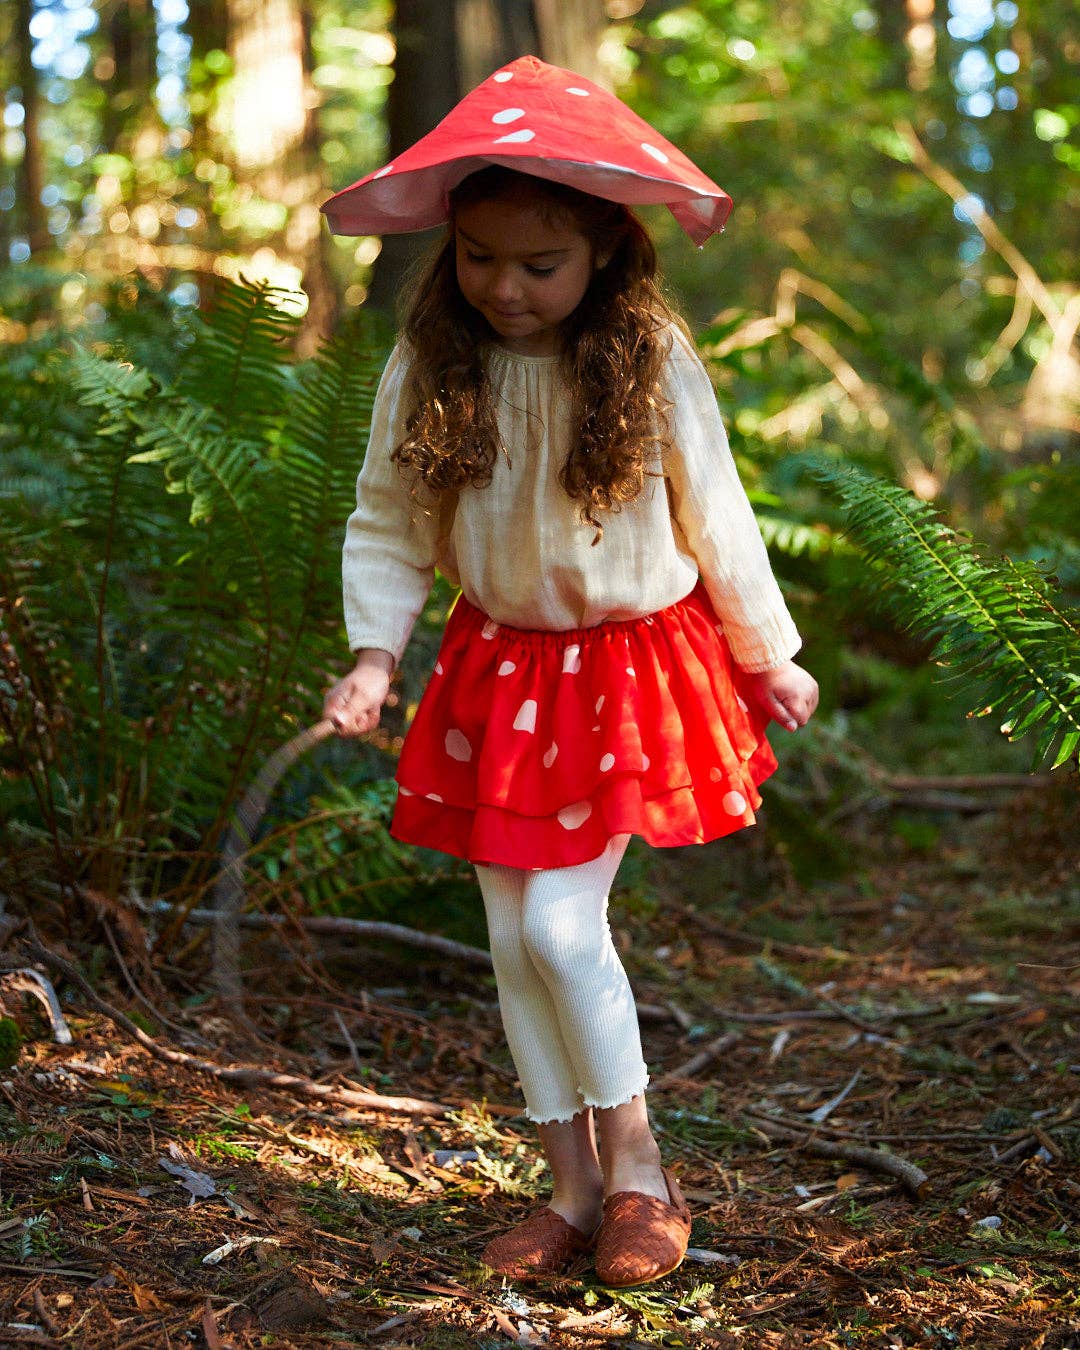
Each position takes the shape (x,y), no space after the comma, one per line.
(787,693)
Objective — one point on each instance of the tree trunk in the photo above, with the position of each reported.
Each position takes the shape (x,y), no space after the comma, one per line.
(267,119)
(131,47)
(424,89)
(31,169)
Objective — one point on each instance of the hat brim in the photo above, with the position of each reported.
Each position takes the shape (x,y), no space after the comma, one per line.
(419,199)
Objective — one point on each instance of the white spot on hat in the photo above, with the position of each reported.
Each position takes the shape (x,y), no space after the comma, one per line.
(526,716)
(656,153)
(383,172)
(599,702)
(734,803)
(741,704)
(457,747)
(715,775)
(515,137)
(438,668)
(581,93)
(406,792)
(631,672)
(503,76)
(432,796)
(571,817)
(645,762)
(489,630)
(549,755)
(608,762)
(508,115)
(571,660)
(507,668)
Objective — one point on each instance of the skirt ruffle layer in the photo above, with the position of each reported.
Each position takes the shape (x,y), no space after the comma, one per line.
(533,748)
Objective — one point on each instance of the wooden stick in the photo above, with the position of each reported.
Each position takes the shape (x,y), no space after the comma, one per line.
(353,928)
(878,1160)
(247,1075)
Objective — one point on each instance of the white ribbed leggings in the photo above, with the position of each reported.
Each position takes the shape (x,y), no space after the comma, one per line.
(566,1003)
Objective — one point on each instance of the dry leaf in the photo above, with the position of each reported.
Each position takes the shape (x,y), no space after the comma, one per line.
(849,1179)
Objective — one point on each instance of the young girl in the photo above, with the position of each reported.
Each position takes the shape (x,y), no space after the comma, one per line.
(545,434)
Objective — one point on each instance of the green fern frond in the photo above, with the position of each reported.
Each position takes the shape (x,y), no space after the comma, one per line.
(239,364)
(795,539)
(999,626)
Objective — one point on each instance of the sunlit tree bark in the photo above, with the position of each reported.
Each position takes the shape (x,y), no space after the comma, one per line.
(31,173)
(267,123)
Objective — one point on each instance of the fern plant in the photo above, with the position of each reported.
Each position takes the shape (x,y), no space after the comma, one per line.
(998,625)
(170,607)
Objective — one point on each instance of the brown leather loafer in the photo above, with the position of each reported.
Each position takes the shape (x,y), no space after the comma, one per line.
(543,1244)
(641,1238)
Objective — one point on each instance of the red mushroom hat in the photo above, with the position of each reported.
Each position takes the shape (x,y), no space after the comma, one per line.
(541,120)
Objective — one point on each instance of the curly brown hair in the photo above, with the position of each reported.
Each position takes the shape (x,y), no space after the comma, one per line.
(612,349)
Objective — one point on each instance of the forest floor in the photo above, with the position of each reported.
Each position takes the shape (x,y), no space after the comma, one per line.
(925,1003)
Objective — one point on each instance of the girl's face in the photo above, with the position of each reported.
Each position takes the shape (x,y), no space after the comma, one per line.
(524,270)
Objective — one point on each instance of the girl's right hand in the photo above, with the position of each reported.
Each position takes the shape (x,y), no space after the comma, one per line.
(354,703)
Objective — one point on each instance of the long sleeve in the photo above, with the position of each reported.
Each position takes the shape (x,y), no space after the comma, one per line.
(711,510)
(388,559)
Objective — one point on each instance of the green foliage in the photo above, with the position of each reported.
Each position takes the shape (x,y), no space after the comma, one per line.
(196,615)
(11,1042)
(1000,626)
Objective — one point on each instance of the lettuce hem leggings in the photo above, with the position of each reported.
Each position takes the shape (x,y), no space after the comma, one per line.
(566,1004)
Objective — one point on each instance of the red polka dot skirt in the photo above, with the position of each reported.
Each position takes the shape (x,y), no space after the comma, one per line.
(533,748)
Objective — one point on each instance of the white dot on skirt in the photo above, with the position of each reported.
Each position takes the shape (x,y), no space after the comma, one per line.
(734,803)
(457,746)
(741,704)
(715,775)
(549,755)
(571,660)
(502,76)
(581,93)
(631,672)
(405,792)
(572,817)
(507,668)
(489,630)
(608,762)
(515,137)
(526,716)
(507,115)
(600,702)
(438,668)
(656,153)
(645,762)
(432,796)
(383,172)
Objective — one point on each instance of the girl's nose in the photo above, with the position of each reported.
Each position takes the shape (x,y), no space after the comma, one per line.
(504,285)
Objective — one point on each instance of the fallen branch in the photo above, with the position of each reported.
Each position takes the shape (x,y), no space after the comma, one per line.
(878,1160)
(353,928)
(246,1075)
(696,1063)
(785,980)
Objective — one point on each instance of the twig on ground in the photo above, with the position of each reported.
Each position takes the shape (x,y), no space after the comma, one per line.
(785,980)
(697,1062)
(336,927)
(878,1160)
(28,981)
(248,1075)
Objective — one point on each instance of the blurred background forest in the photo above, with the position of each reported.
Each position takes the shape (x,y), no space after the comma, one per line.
(188,361)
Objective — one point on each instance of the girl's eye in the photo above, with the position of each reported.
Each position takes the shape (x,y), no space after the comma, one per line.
(477,257)
(541,271)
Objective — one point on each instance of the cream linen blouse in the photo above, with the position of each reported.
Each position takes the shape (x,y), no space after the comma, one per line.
(518,548)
